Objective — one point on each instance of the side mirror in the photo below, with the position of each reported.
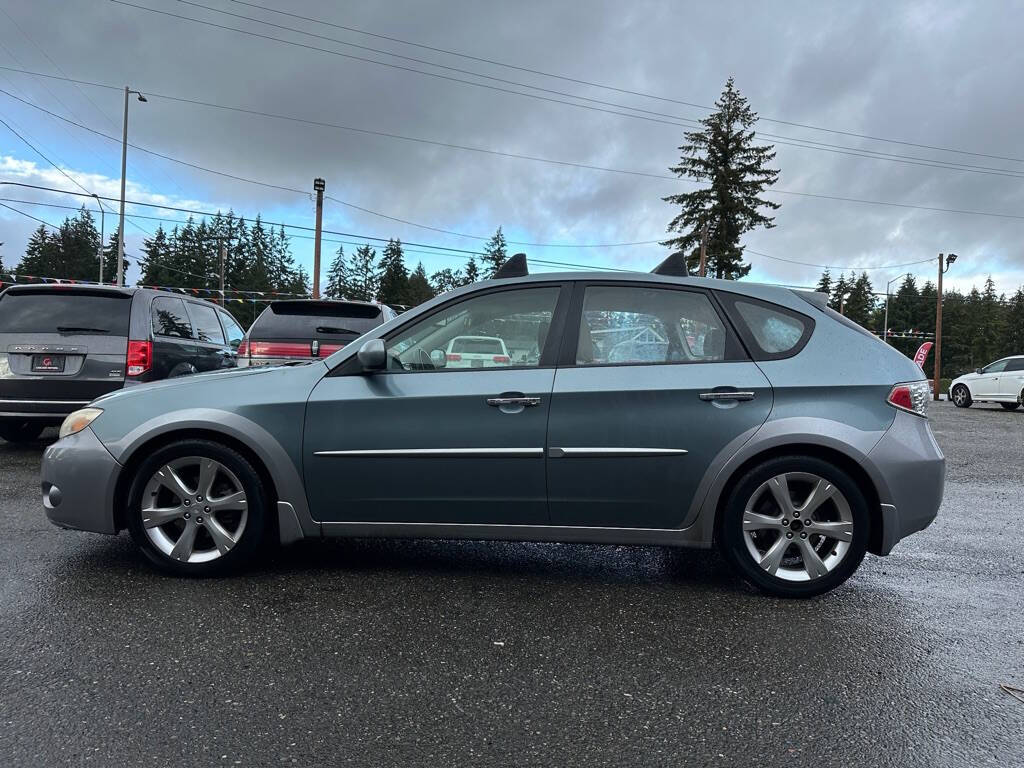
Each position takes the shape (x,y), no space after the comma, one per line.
(438,358)
(373,356)
(977,370)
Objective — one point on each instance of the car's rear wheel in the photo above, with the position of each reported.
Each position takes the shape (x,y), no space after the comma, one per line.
(962,396)
(197,508)
(795,526)
(1010,406)
(20,430)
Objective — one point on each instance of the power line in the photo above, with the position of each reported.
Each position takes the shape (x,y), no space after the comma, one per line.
(656,116)
(243,110)
(835,266)
(30,216)
(616,89)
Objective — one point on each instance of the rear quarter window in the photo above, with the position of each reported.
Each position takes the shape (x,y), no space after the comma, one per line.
(770,331)
(65,311)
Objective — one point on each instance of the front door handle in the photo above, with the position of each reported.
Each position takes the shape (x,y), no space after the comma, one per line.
(726,396)
(526,402)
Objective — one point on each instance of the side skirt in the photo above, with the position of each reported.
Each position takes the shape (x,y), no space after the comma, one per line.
(665,537)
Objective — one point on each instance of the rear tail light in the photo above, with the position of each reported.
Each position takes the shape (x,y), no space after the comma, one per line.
(501,358)
(911,397)
(140,357)
(243,348)
(453,357)
(279,349)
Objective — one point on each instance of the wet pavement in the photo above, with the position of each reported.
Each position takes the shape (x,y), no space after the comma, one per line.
(436,653)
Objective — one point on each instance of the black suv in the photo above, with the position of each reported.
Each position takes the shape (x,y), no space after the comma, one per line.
(61,346)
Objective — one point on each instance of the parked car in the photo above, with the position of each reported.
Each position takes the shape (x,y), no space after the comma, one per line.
(476,352)
(999,382)
(61,346)
(761,439)
(290,331)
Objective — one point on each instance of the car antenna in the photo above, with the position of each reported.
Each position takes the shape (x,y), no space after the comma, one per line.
(673,266)
(514,267)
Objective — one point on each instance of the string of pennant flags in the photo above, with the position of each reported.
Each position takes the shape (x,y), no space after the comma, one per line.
(239,295)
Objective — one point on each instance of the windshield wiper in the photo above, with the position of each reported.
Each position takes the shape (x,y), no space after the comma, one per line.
(332,329)
(77,329)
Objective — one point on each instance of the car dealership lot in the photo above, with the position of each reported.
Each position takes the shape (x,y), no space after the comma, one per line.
(431,653)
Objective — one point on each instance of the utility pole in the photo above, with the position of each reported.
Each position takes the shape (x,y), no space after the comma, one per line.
(319,185)
(938,324)
(885,323)
(703,251)
(222,242)
(124,169)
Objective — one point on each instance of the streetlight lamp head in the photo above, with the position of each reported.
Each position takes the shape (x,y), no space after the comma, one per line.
(950,258)
(319,185)
(142,98)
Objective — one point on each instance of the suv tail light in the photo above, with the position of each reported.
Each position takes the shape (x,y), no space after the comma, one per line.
(140,357)
(911,397)
(243,348)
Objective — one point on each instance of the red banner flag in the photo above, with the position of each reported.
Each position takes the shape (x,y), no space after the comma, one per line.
(921,354)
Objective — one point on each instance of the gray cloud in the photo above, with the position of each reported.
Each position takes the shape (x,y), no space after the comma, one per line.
(934,73)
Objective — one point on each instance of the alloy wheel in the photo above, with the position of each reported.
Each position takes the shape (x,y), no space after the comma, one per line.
(959,396)
(797,526)
(194,509)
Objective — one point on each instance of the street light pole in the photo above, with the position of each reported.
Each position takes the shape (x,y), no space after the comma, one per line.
(124,168)
(938,324)
(885,323)
(103,235)
(319,185)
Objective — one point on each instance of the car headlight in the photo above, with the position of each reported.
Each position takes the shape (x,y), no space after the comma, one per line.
(79,420)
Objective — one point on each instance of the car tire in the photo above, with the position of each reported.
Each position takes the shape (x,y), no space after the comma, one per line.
(1010,406)
(961,396)
(20,430)
(753,517)
(185,481)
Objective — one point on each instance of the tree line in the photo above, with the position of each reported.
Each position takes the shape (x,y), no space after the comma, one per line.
(977,327)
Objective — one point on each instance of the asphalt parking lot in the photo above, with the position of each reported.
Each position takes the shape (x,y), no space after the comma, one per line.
(464,653)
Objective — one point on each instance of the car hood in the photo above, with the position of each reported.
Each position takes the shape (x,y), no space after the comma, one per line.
(207,382)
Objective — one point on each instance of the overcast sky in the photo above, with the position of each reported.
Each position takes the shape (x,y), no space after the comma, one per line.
(942,74)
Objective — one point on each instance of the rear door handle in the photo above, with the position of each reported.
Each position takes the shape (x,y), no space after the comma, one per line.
(526,402)
(728,396)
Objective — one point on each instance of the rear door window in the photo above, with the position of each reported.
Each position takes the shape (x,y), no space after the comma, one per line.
(639,325)
(66,312)
(1016,364)
(170,318)
(205,324)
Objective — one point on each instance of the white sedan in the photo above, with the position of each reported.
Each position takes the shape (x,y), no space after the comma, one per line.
(999,382)
(476,352)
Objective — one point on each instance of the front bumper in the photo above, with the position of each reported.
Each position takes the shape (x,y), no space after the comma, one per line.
(79,477)
(911,474)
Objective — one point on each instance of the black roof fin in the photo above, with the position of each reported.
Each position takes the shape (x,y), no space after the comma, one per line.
(514,267)
(673,266)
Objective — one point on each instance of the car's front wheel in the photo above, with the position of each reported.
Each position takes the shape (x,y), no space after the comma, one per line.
(795,526)
(197,508)
(20,430)
(962,396)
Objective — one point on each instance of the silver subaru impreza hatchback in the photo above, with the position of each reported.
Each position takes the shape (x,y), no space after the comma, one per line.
(582,407)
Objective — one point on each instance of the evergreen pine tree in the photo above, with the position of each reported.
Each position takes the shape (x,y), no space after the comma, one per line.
(472,272)
(337,276)
(419,286)
(1014,342)
(724,156)
(40,254)
(110,261)
(825,283)
(394,277)
(839,290)
(446,280)
(159,257)
(363,274)
(860,304)
(495,253)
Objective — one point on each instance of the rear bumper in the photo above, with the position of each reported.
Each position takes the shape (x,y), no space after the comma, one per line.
(78,478)
(912,472)
(52,410)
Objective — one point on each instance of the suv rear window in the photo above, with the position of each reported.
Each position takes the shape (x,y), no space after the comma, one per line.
(770,331)
(307,320)
(65,311)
